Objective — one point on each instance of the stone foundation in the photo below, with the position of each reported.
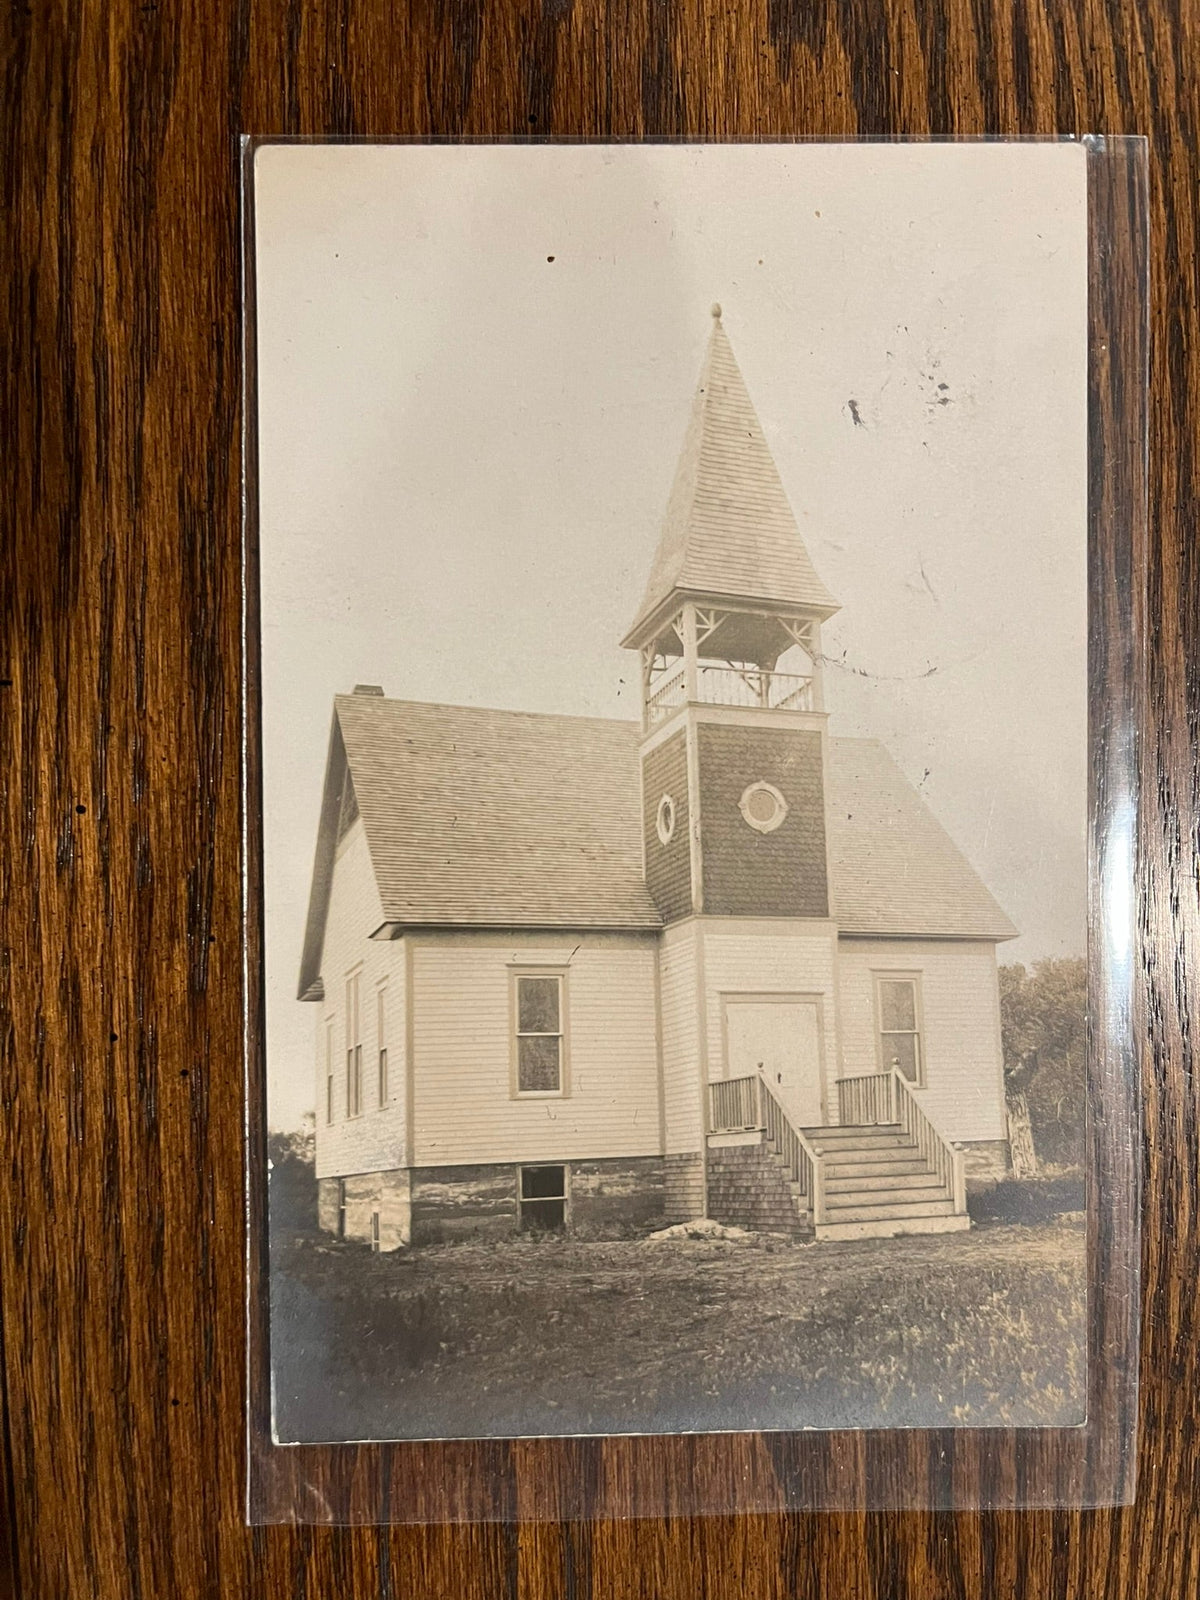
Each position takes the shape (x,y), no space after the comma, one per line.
(481,1202)
(683,1186)
(328,1204)
(986,1162)
(347,1207)
(614,1195)
(748,1188)
(467,1202)
(433,1205)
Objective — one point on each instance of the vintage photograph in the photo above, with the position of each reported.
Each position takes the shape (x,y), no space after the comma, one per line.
(674,750)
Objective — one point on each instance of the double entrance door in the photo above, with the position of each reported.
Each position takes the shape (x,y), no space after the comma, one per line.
(778,1037)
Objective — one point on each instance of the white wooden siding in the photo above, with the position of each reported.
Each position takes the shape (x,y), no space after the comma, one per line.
(960,1015)
(682,1068)
(374,1140)
(770,960)
(464,1109)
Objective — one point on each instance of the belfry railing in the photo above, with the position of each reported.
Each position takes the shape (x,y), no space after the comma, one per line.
(722,684)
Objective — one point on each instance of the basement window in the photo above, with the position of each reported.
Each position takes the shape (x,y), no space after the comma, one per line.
(543,1199)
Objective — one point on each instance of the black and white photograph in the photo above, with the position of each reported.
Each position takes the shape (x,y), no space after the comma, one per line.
(673,619)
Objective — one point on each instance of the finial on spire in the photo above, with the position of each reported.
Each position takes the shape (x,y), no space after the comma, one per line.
(716,311)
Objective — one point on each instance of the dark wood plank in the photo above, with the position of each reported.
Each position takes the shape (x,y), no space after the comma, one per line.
(121,1252)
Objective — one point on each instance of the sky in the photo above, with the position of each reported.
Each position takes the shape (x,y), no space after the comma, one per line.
(475,368)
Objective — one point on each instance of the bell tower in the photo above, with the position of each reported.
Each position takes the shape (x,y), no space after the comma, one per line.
(734,742)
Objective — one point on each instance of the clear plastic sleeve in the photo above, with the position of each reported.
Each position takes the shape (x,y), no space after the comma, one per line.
(686,1473)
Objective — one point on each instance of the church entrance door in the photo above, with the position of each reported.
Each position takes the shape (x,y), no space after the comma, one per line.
(778,1037)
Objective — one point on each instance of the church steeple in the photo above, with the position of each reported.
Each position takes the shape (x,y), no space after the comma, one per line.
(729,634)
(733,606)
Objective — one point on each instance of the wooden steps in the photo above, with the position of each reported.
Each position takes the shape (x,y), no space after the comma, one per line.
(894,1229)
(917,1180)
(858,1180)
(877,1184)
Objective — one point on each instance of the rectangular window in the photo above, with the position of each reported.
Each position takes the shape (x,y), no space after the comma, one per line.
(353,1048)
(329,1071)
(381,1036)
(898,1008)
(375,1231)
(543,1198)
(540,1038)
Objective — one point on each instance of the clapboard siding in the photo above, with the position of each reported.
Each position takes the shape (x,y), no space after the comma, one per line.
(464,1110)
(960,1005)
(374,1140)
(770,960)
(682,1075)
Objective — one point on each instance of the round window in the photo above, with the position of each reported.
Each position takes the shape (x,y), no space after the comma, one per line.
(763,807)
(664,822)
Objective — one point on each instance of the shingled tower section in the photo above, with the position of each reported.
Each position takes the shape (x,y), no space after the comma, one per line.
(734,758)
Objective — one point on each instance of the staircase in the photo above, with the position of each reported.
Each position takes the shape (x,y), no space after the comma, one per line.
(883,1170)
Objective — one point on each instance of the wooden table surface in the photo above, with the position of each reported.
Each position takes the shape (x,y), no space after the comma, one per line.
(121,1210)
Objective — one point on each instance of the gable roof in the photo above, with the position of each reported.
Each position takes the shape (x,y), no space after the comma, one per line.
(895,869)
(508,819)
(488,818)
(729,529)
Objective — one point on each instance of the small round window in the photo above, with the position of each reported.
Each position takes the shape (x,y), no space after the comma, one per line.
(664,822)
(763,807)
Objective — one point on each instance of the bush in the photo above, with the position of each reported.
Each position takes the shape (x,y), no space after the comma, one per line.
(1030,1200)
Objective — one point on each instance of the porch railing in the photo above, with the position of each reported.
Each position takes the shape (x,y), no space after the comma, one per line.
(888,1098)
(741,1105)
(734,1105)
(863,1102)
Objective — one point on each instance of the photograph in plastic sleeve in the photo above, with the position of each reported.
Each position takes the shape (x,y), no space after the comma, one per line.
(674,786)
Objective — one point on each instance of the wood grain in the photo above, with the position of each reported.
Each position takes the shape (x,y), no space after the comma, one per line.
(121,1210)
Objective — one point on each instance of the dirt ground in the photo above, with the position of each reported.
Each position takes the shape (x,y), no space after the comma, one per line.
(553,1335)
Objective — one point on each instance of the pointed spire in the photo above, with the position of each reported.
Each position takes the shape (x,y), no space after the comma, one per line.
(729,531)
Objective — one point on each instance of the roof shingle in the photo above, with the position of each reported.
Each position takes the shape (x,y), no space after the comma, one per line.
(479,818)
(729,529)
(895,869)
(499,817)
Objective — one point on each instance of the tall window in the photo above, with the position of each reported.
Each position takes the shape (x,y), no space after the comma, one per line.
(898,1008)
(381,1036)
(329,1071)
(540,1040)
(353,1048)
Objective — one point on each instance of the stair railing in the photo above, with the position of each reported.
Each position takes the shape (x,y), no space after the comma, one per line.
(887,1097)
(945,1158)
(803,1161)
(742,1105)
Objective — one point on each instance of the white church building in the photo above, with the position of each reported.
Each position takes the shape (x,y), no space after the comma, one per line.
(578,973)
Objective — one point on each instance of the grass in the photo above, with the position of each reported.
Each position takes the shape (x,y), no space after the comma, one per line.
(556,1336)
